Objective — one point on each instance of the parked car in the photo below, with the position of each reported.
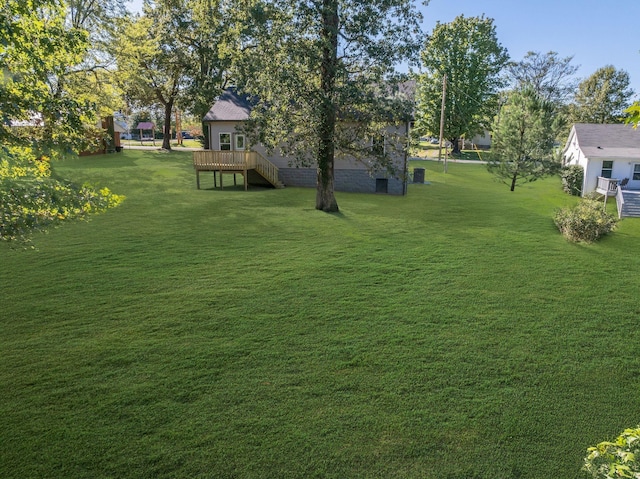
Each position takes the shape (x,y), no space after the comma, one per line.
(187,136)
(129,136)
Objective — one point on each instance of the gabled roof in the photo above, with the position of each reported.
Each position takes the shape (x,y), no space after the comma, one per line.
(229,106)
(232,106)
(607,141)
(145,125)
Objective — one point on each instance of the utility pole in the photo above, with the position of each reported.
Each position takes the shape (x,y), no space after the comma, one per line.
(444,94)
(178,127)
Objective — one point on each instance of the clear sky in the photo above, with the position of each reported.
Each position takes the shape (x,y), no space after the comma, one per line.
(595,32)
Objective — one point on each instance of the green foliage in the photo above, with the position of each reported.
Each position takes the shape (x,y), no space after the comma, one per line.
(467,51)
(523,139)
(152,62)
(37,48)
(603,97)
(633,113)
(586,222)
(32,199)
(617,459)
(572,179)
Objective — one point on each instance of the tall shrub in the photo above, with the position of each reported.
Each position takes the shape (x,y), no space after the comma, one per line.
(572,178)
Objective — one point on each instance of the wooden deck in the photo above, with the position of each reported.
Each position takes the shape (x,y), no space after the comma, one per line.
(236,162)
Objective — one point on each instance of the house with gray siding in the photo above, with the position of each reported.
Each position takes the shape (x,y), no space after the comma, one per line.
(224,123)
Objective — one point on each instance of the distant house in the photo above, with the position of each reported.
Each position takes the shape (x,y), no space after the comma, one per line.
(227,141)
(609,154)
(610,157)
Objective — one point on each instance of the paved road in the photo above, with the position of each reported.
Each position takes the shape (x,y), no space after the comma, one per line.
(158,146)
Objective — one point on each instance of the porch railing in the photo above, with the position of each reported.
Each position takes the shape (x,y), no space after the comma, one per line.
(607,186)
(217,160)
(619,201)
(224,160)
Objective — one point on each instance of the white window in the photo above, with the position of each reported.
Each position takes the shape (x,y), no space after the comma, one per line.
(225,141)
(636,172)
(607,169)
(240,142)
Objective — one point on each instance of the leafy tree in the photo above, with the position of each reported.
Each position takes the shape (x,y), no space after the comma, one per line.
(152,68)
(322,73)
(40,120)
(94,78)
(551,77)
(36,49)
(603,97)
(467,51)
(32,198)
(523,138)
(95,16)
(209,31)
(616,459)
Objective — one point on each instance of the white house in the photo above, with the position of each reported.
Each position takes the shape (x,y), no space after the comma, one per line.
(605,152)
(228,143)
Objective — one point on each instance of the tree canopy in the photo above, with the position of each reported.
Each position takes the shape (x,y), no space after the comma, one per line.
(152,68)
(322,72)
(550,76)
(467,51)
(603,97)
(41,119)
(36,50)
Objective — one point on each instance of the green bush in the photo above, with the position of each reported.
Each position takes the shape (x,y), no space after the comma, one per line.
(31,199)
(587,221)
(615,459)
(572,177)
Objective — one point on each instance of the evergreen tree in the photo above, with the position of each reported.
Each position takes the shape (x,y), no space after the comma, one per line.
(523,139)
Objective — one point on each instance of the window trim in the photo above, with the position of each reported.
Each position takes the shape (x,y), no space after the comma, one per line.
(607,169)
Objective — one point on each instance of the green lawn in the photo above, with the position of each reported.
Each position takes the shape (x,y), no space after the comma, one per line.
(451,333)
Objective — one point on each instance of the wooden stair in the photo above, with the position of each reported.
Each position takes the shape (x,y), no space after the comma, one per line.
(631,206)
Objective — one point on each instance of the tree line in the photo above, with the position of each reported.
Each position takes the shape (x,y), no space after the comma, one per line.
(527,105)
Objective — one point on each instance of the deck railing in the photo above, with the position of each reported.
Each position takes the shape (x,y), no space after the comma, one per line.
(217,160)
(619,201)
(224,160)
(607,186)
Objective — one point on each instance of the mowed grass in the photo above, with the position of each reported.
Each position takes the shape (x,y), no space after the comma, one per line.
(451,333)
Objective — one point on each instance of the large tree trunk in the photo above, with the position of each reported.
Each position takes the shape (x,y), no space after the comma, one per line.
(325,199)
(166,141)
(455,146)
